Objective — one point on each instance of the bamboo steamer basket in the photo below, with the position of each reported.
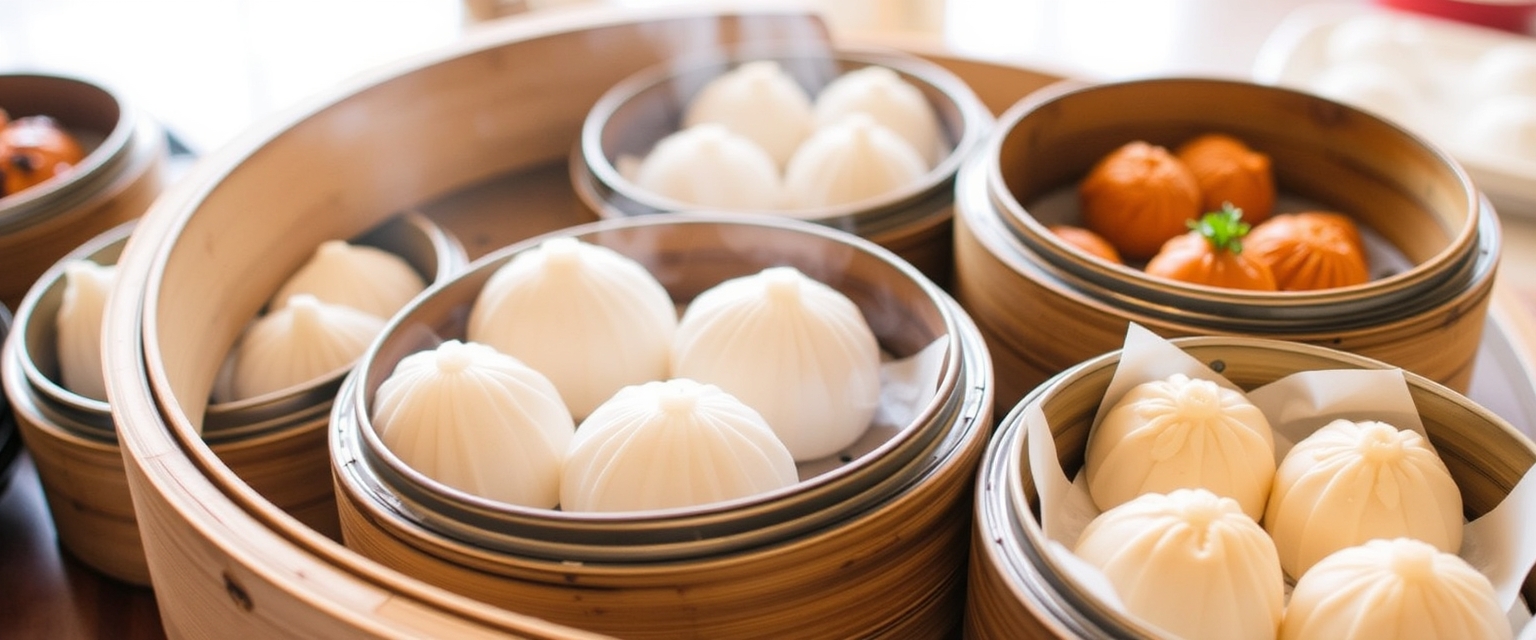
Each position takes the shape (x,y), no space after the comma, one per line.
(224,560)
(70,436)
(123,171)
(1016,590)
(1044,306)
(870,541)
(275,443)
(914,221)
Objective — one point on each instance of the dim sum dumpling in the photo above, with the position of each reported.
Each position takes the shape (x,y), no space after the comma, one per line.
(708,165)
(86,285)
(362,277)
(794,349)
(672,444)
(1177,433)
(477,420)
(1394,588)
(1191,563)
(300,342)
(1310,250)
(757,100)
(892,101)
(591,319)
(1350,482)
(850,160)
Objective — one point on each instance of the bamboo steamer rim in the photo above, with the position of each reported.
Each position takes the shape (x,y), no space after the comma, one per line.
(83,416)
(966,429)
(867,217)
(96,169)
(411,487)
(187,478)
(1013,516)
(1461,248)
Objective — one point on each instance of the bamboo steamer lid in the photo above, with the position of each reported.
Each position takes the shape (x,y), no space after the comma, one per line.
(1044,306)
(914,221)
(1014,587)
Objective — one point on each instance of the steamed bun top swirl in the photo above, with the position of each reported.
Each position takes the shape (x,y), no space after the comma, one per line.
(1178,433)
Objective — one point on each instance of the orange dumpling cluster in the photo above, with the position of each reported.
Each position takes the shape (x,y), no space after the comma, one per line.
(1203,214)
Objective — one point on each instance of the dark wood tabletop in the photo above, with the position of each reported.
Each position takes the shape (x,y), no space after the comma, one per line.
(47,593)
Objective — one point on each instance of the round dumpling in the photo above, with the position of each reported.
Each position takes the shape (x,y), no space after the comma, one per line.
(794,349)
(760,101)
(848,161)
(1310,250)
(359,276)
(664,445)
(893,102)
(591,319)
(1394,588)
(1138,197)
(1350,482)
(1191,563)
(476,420)
(302,341)
(708,165)
(1179,433)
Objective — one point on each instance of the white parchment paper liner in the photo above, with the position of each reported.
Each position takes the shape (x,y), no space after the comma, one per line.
(1501,543)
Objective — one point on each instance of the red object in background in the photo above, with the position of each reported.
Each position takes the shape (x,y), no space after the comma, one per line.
(1509,16)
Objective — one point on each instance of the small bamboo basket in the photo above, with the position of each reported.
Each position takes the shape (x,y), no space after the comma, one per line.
(1014,592)
(275,443)
(70,436)
(1044,306)
(914,222)
(123,171)
(870,541)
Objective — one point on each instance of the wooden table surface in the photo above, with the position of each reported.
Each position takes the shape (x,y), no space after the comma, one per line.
(47,594)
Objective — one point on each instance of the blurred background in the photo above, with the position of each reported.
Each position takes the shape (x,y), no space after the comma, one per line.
(208,69)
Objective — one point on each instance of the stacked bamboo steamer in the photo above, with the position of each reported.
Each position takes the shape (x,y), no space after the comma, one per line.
(275,443)
(1017,586)
(1045,306)
(123,170)
(225,560)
